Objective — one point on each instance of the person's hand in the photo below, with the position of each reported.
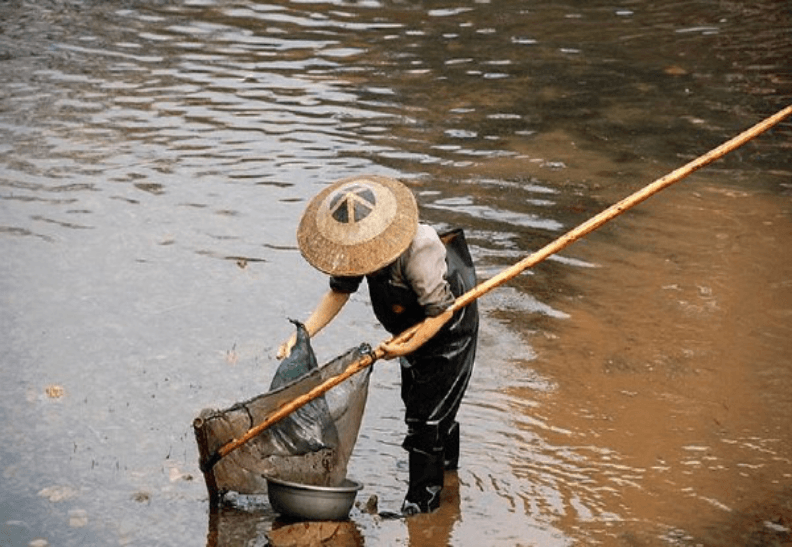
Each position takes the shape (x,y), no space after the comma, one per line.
(330,305)
(426,330)
(286,347)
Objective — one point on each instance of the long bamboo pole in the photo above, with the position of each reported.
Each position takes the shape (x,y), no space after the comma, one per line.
(622,206)
(560,243)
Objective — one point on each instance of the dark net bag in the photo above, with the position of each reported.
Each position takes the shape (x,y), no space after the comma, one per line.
(312,445)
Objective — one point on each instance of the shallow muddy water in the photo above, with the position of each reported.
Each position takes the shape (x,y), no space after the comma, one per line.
(155,159)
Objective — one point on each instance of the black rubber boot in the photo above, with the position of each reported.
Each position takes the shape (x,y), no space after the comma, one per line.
(451,448)
(426,483)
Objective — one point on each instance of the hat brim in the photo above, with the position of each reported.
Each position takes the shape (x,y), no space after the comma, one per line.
(356,249)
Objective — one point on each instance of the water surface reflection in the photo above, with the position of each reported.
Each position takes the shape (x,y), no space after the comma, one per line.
(155,159)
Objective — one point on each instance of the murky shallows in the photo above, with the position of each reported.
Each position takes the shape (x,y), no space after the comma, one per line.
(155,159)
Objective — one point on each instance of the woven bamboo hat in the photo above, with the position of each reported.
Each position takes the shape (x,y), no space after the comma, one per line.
(358,225)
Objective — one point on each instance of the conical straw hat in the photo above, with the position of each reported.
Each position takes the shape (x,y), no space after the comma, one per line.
(358,225)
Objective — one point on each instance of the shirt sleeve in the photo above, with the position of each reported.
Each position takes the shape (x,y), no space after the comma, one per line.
(425,271)
(345,284)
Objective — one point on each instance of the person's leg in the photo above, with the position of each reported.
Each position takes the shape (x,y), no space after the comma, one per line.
(426,482)
(432,390)
(451,447)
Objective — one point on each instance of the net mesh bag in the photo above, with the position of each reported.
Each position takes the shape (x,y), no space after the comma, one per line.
(312,445)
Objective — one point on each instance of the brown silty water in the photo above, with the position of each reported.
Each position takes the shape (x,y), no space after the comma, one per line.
(155,160)
(671,374)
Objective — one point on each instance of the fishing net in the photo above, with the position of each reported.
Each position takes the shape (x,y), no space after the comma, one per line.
(312,445)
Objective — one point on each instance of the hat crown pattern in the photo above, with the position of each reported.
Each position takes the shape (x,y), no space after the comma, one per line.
(356,212)
(353,204)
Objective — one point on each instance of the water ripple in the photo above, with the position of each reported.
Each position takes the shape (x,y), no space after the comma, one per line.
(154,161)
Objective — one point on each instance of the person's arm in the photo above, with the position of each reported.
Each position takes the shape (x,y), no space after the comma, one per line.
(427,330)
(330,305)
(425,271)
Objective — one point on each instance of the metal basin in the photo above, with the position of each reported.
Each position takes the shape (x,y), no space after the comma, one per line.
(312,502)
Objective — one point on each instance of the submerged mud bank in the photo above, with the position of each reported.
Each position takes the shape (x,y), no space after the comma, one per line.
(673,369)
